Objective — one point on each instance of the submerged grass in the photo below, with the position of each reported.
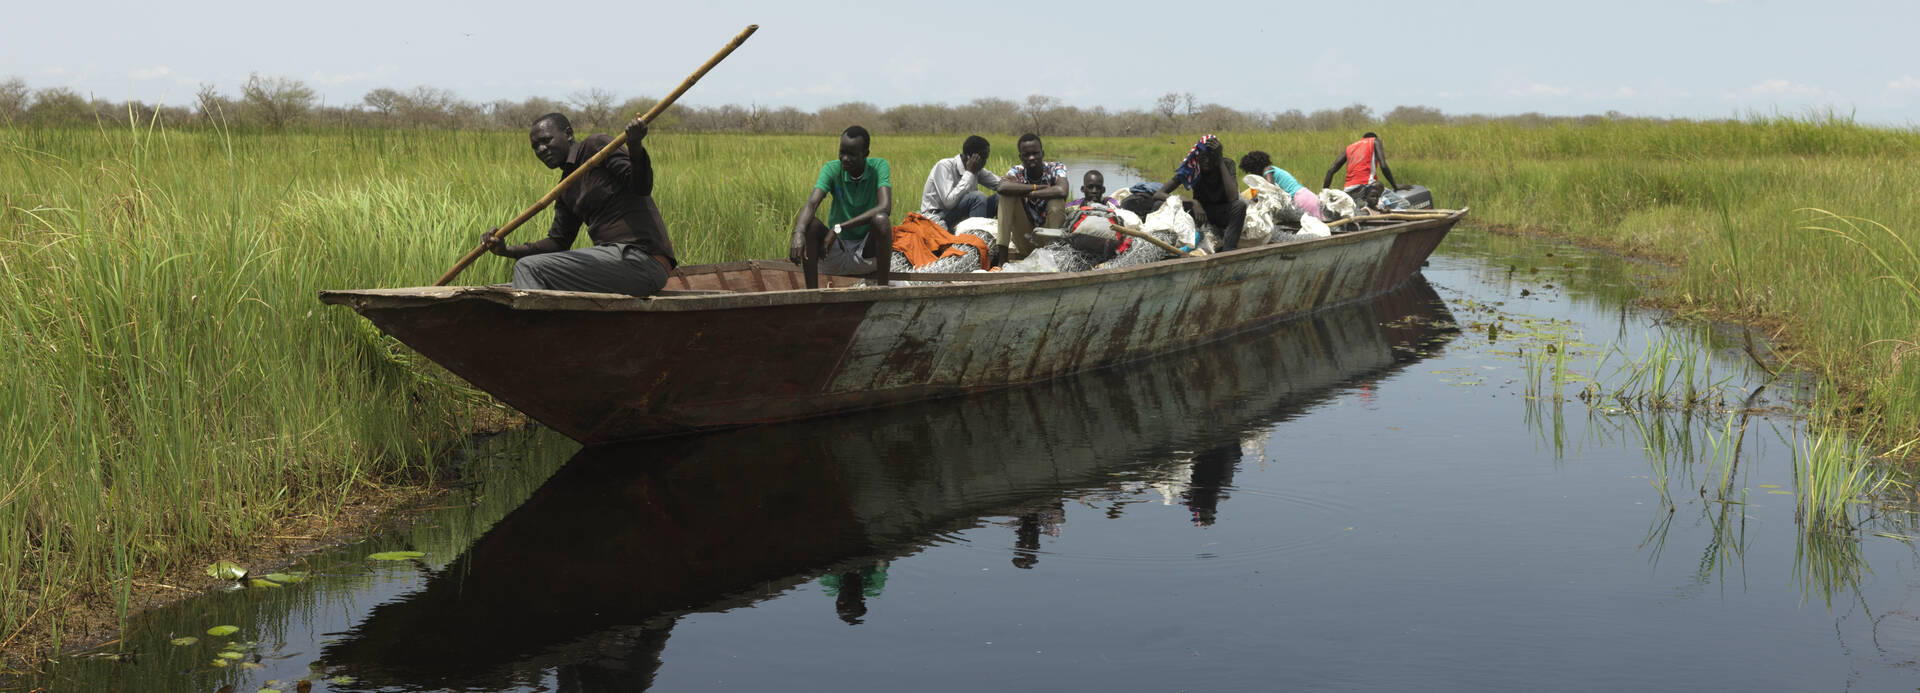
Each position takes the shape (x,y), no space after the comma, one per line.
(1833,474)
(174,388)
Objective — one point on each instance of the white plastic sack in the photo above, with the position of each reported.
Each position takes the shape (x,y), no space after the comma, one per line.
(1172,216)
(1336,205)
(1393,201)
(1261,212)
(1311,227)
(987,224)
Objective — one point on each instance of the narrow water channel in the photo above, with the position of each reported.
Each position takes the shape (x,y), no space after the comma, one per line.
(1380,497)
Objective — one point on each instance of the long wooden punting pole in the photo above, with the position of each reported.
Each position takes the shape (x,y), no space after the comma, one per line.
(595,160)
(1142,235)
(1416,215)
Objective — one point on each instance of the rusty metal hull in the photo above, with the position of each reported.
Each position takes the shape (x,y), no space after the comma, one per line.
(602,368)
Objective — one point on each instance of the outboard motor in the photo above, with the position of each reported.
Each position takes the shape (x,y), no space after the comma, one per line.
(1416,196)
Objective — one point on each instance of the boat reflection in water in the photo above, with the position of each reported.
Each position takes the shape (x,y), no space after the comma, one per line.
(585,580)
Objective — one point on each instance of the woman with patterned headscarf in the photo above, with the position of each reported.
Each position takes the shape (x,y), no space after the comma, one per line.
(1207,172)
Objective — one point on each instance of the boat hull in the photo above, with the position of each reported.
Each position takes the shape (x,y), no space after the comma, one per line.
(601,368)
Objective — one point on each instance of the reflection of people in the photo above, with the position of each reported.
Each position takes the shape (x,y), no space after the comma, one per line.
(1033,194)
(862,189)
(1215,191)
(630,253)
(1361,159)
(952,192)
(631,667)
(851,588)
(1026,533)
(1209,478)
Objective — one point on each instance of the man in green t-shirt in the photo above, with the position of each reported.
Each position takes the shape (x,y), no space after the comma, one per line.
(861,238)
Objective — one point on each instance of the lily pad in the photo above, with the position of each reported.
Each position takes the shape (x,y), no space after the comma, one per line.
(185,641)
(226,570)
(285,578)
(230,654)
(341,680)
(395,556)
(219,662)
(218,631)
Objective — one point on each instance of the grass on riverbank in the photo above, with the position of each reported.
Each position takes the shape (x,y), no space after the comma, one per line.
(174,387)
(1732,205)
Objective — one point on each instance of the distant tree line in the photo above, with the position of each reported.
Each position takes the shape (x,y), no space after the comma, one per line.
(279,102)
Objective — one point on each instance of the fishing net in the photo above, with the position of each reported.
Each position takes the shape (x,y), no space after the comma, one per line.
(1059,256)
(968,261)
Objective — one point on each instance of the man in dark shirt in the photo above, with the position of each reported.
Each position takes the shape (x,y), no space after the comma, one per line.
(630,253)
(1215,191)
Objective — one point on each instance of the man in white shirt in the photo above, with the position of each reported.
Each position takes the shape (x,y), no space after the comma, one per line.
(952,192)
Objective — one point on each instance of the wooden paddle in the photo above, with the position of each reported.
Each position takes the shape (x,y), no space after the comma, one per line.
(595,160)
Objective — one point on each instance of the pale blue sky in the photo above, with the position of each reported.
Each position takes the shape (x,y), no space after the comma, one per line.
(1691,58)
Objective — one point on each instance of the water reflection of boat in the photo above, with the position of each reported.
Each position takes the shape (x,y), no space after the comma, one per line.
(587,577)
(742,343)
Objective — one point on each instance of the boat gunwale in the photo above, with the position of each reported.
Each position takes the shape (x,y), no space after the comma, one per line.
(526,299)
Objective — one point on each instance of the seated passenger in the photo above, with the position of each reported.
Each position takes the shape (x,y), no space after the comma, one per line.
(1207,172)
(1093,187)
(1033,194)
(1258,163)
(862,189)
(1090,220)
(952,193)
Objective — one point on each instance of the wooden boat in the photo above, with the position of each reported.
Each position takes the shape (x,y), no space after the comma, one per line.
(591,573)
(743,343)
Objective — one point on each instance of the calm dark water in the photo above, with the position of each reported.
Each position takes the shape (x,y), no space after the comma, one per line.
(1364,500)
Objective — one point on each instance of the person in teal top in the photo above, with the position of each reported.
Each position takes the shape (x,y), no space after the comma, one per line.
(1260,164)
(857,238)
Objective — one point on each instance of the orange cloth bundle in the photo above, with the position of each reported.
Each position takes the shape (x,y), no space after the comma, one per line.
(923,241)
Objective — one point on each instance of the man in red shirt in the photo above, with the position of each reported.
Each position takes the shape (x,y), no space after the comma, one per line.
(1361,159)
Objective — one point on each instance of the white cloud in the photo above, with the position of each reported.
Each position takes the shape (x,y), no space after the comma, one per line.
(1781,87)
(1905,83)
(154,72)
(1538,89)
